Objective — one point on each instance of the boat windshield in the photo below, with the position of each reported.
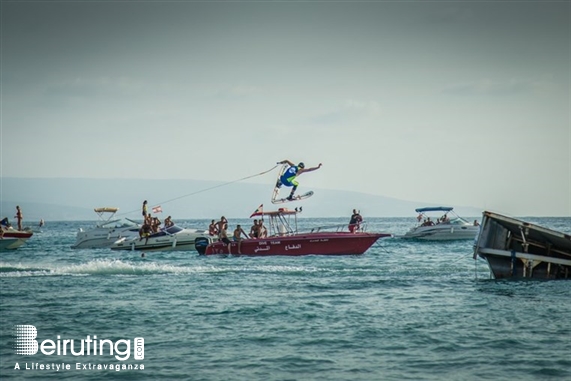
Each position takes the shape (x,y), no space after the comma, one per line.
(459,221)
(120,223)
(168,231)
(173,229)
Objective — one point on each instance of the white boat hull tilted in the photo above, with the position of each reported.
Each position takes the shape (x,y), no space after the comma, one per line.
(173,238)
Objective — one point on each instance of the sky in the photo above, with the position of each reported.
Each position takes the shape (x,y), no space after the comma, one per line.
(449,102)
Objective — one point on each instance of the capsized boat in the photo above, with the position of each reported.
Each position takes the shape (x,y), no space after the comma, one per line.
(285,239)
(443,228)
(172,238)
(517,249)
(107,230)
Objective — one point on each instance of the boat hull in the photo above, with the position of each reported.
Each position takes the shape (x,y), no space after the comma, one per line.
(13,239)
(102,238)
(11,243)
(155,245)
(516,249)
(11,233)
(443,233)
(178,242)
(339,243)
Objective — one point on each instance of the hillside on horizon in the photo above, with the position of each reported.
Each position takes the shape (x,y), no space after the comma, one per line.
(62,199)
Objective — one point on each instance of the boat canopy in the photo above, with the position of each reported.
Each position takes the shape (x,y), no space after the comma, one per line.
(279,212)
(434,209)
(106,210)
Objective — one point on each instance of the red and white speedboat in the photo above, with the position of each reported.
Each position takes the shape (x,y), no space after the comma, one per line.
(13,239)
(284,239)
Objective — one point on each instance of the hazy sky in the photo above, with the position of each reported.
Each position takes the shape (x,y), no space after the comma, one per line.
(449,102)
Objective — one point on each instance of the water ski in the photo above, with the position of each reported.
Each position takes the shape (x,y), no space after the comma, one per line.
(295,198)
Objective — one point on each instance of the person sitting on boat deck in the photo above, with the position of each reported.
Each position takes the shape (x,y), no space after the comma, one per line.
(148,219)
(223,236)
(156,225)
(19,216)
(428,222)
(476,223)
(212,228)
(445,219)
(355,222)
(145,232)
(288,178)
(255,230)
(237,236)
(144,209)
(1,232)
(263,232)
(168,222)
(6,223)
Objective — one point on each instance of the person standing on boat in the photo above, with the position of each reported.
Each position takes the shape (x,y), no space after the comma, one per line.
(355,221)
(223,236)
(220,225)
(145,210)
(212,229)
(288,178)
(19,216)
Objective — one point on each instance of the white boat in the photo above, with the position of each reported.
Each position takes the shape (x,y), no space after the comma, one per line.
(107,231)
(445,228)
(11,243)
(167,239)
(12,238)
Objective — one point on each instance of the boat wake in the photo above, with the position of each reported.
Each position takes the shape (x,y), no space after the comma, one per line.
(121,267)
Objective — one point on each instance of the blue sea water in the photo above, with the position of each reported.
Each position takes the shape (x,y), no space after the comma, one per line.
(404,310)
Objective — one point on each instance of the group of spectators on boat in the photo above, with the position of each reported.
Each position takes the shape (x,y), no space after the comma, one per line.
(258,230)
(220,229)
(428,222)
(152,224)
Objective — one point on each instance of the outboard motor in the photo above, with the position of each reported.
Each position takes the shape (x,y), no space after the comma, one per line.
(200,244)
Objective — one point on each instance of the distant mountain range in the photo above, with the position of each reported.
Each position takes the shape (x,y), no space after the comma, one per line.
(66,199)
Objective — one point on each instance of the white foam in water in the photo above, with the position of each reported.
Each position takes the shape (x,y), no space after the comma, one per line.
(119,267)
(95,267)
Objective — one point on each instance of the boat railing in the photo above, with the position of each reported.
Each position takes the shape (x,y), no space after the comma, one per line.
(338,228)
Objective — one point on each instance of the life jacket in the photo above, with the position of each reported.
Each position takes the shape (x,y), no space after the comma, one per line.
(290,172)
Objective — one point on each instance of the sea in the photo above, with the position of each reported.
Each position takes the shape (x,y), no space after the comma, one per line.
(404,310)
